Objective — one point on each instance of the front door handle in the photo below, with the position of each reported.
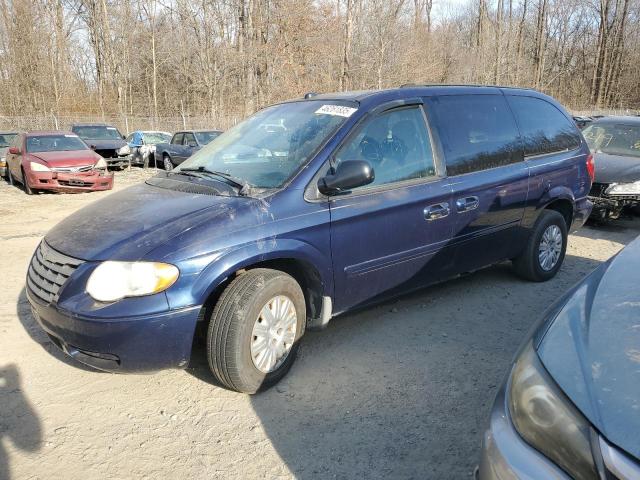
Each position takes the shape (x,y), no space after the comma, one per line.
(467,203)
(434,212)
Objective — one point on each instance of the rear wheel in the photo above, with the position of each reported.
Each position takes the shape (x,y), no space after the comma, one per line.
(166,163)
(255,329)
(543,256)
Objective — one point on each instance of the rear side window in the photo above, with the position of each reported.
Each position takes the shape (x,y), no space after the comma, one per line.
(543,127)
(478,132)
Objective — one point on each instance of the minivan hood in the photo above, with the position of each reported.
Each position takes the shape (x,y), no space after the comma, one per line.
(616,168)
(114,144)
(592,349)
(128,224)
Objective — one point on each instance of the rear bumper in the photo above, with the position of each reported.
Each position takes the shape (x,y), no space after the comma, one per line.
(506,456)
(582,211)
(127,344)
(70,182)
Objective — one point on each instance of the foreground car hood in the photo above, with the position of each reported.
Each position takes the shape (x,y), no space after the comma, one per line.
(616,168)
(74,158)
(129,224)
(592,349)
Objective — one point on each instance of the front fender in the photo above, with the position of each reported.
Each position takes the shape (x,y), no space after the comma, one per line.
(196,284)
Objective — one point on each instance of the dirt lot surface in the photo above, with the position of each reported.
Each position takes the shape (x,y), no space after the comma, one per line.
(402,390)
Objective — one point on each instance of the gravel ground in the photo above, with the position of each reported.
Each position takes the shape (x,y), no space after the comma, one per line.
(402,390)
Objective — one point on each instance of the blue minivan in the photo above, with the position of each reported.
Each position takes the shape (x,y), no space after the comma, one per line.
(306,210)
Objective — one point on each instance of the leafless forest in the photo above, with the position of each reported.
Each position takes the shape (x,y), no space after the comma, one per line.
(222,59)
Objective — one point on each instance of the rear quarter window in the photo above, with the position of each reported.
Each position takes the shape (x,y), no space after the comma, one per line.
(478,132)
(543,127)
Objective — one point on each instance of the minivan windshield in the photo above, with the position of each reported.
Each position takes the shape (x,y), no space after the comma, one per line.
(613,139)
(269,147)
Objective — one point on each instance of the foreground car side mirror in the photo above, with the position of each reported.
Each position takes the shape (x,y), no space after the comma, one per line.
(14,150)
(348,175)
(92,147)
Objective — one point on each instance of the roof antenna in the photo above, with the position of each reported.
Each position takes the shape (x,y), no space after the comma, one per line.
(309,95)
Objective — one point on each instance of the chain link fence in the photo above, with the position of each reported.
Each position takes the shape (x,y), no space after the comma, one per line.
(126,124)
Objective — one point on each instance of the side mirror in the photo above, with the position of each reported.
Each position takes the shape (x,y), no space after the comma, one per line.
(92,147)
(14,150)
(192,144)
(349,174)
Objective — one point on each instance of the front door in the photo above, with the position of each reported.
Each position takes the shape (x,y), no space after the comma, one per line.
(488,175)
(390,235)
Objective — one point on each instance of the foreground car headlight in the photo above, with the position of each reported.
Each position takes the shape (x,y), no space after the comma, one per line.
(624,189)
(102,163)
(39,167)
(547,420)
(124,150)
(112,281)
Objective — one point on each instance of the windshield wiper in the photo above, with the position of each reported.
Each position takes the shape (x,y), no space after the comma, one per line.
(242,185)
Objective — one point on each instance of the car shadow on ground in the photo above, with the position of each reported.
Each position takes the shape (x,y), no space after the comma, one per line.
(19,423)
(404,389)
(37,334)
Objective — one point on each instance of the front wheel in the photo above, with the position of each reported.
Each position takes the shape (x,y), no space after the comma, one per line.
(255,330)
(542,257)
(166,163)
(25,182)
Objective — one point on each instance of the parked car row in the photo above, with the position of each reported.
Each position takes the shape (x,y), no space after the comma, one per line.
(79,160)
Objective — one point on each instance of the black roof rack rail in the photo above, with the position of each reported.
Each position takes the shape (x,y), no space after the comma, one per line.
(417,85)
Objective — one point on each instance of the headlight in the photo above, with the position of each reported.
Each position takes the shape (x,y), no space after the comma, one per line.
(39,167)
(102,163)
(112,281)
(547,420)
(624,189)
(124,150)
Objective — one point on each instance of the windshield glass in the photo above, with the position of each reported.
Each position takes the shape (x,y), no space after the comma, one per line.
(55,143)
(204,138)
(266,149)
(98,132)
(6,139)
(153,138)
(613,138)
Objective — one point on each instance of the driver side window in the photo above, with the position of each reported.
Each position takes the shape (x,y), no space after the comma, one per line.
(396,144)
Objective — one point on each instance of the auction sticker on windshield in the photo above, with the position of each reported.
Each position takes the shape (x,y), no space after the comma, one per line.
(336,110)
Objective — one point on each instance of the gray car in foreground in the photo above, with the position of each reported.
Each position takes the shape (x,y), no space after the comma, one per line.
(570,407)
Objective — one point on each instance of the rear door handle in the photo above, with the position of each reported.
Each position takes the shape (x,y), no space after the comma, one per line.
(434,212)
(467,203)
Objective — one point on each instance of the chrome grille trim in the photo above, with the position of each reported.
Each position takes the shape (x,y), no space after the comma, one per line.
(84,168)
(49,271)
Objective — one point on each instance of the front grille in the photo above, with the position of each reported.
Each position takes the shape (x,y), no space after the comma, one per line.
(107,153)
(84,168)
(598,189)
(48,272)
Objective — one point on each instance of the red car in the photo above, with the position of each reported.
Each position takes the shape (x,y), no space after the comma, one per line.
(57,161)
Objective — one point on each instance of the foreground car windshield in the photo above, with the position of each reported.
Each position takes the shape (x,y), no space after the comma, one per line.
(269,147)
(98,133)
(55,143)
(614,139)
(6,139)
(204,138)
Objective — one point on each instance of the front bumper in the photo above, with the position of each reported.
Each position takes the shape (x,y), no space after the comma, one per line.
(70,182)
(124,161)
(127,344)
(506,456)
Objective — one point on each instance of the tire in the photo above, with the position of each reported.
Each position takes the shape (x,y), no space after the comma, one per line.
(25,183)
(236,319)
(530,264)
(167,164)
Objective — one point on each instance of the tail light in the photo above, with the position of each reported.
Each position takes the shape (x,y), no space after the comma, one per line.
(591,168)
